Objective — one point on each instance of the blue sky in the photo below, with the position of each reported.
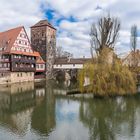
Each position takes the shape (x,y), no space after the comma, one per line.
(73,19)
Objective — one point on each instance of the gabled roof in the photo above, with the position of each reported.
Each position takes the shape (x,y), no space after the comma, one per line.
(130,55)
(39,59)
(8,37)
(43,23)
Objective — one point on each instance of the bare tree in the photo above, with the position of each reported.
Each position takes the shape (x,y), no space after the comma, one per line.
(61,53)
(133,41)
(133,38)
(104,33)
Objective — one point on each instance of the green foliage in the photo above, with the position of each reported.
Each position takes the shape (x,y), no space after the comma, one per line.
(107,78)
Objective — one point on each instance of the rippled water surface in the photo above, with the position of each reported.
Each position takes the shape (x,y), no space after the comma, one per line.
(40,111)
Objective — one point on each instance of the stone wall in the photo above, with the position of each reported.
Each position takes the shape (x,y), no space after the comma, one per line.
(21,76)
(51,47)
(43,40)
(38,40)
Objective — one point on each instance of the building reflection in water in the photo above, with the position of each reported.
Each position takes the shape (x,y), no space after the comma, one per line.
(24,106)
(41,110)
(43,117)
(16,105)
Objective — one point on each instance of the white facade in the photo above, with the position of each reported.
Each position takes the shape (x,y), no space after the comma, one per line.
(68,66)
(22,43)
(40,67)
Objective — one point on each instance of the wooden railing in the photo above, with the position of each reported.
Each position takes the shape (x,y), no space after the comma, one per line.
(23,69)
(23,60)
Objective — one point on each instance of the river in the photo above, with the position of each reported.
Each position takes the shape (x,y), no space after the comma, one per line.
(35,111)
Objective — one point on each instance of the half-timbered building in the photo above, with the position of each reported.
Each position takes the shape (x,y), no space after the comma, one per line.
(17,58)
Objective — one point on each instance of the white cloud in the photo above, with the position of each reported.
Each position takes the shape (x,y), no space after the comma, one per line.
(85,12)
(77,8)
(16,13)
(72,36)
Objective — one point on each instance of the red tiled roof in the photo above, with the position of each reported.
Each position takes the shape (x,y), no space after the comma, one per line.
(9,37)
(43,23)
(24,53)
(65,60)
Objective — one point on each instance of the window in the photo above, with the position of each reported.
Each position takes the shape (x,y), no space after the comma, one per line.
(19,42)
(21,74)
(8,65)
(41,65)
(4,65)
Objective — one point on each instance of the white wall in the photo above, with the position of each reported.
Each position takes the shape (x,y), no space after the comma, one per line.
(68,66)
(40,67)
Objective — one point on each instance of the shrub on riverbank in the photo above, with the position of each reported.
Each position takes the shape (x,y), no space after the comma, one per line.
(107,78)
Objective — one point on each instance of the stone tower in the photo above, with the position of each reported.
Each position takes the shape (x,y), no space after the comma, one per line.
(43,40)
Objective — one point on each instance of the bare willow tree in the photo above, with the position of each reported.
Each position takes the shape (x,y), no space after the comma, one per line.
(133,41)
(104,33)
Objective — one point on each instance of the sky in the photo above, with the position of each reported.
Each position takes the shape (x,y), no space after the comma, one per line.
(73,19)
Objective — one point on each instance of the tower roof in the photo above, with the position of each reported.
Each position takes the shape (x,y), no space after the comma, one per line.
(43,23)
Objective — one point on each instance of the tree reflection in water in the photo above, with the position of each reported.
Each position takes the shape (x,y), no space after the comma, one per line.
(29,111)
(106,118)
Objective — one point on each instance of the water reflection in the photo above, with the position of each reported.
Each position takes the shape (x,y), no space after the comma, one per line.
(111,119)
(39,111)
(43,117)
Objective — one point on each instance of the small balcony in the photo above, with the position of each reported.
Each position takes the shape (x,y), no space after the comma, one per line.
(23,60)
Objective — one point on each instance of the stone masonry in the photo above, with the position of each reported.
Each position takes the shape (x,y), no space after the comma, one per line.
(43,40)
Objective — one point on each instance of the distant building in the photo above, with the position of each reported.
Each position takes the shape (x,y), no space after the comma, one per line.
(132,59)
(43,40)
(70,63)
(17,58)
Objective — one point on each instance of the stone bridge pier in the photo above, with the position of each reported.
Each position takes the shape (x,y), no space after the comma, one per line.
(65,75)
